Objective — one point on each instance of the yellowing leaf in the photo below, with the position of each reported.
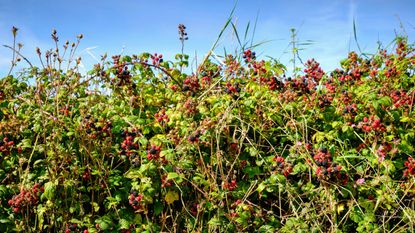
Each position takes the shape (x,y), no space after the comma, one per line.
(171,196)
(340,208)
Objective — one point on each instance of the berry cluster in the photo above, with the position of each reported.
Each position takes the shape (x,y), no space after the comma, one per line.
(248,55)
(190,106)
(121,72)
(330,86)
(304,85)
(350,109)
(191,83)
(230,89)
(392,72)
(182,33)
(95,128)
(230,184)
(400,98)
(323,157)
(410,168)
(327,169)
(153,153)
(282,166)
(6,145)
(156,59)
(371,124)
(402,48)
(26,198)
(383,150)
(274,83)
(161,116)
(313,70)
(128,145)
(135,199)
(324,100)
(258,68)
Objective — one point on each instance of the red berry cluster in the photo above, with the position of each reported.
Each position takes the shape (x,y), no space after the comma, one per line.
(161,116)
(190,106)
(2,95)
(232,66)
(191,83)
(410,168)
(26,198)
(121,72)
(392,72)
(258,68)
(274,83)
(346,97)
(128,145)
(323,157)
(324,100)
(206,81)
(135,200)
(400,98)
(156,59)
(249,55)
(330,86)
(303,85)
(153,153)
(383,150)
(230,184)
(282,166)
(327,169)
(6,145)
(165,182)
(95,128)
(402,48)
(371,124)
(313,70)
(350,109)
(231,89)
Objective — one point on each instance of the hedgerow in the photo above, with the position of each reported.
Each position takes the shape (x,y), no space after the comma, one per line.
(139,145)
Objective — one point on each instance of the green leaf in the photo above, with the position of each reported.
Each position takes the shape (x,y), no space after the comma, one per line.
(49,190)
(124,224)
(171,197)
(215,221)
(104,222)
(172,175)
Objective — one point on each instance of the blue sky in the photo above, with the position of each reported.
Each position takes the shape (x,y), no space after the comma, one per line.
(135,26)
